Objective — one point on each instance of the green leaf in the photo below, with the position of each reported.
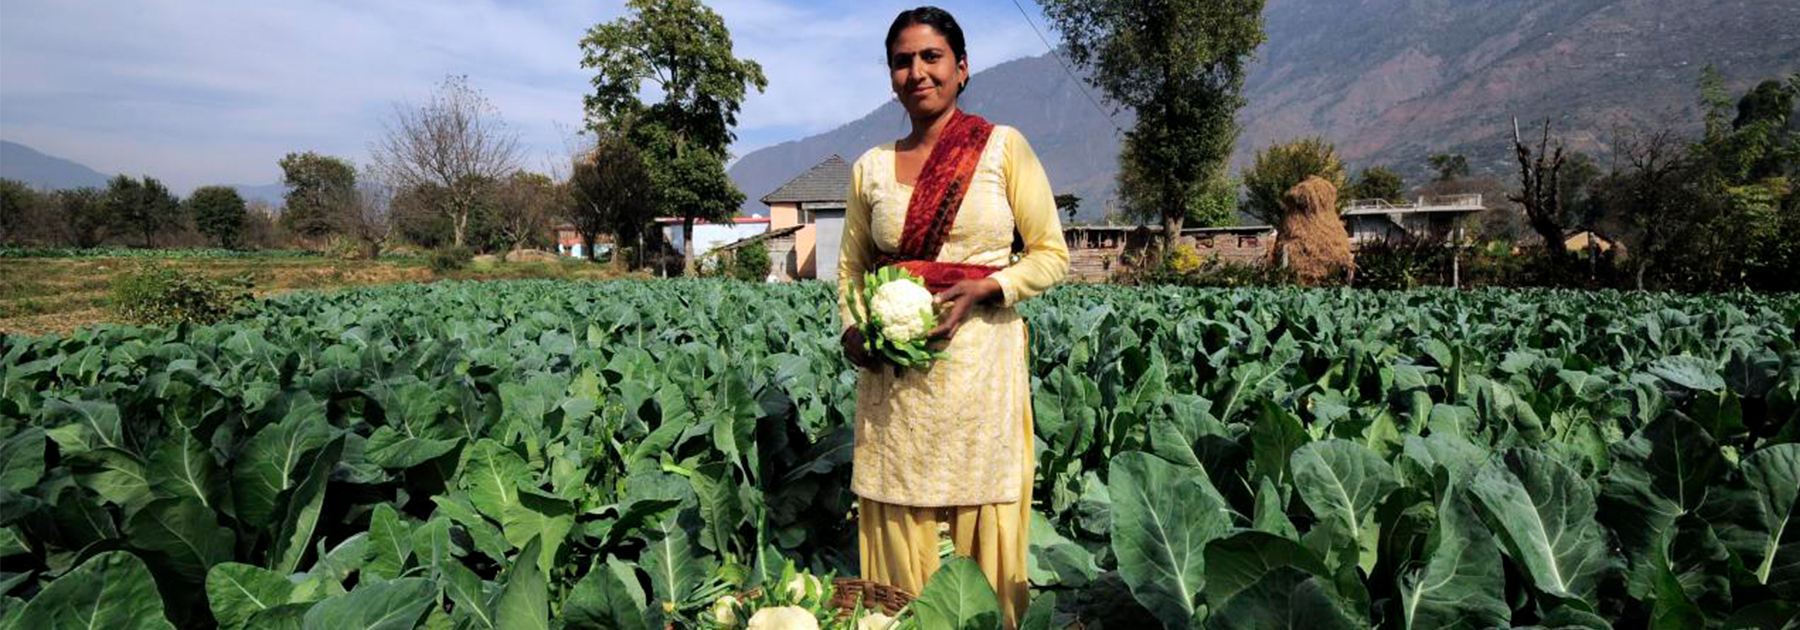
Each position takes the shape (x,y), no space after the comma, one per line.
(601,601)
(391,541)
(1689,371)
(238,591)
(1543,513)
(300,518)
(185,533)
(392,605)
(1342,481)
(464,588)
(1236,562)
(1764,531)
(271,462)
(22,460)
(1665,470)
(1273,440)
(1284,599)
(525,600)
(182,467)
(1041,614)
(676,571)
(1163,516)
(957,597)
(1462,584)
(112,590)
(432,544)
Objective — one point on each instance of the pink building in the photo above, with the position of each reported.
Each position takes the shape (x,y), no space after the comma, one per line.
(814,203)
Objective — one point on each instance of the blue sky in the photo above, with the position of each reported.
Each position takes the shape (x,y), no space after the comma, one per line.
(199,92)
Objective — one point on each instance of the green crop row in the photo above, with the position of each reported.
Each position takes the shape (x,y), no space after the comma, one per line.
(618,454)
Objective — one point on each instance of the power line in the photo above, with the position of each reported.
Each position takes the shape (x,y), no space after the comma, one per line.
(1079,84)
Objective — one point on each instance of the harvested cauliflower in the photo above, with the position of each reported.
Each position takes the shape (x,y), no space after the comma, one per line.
(904,309)
(784,618)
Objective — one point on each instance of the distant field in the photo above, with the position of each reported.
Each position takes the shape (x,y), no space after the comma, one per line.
(57,294)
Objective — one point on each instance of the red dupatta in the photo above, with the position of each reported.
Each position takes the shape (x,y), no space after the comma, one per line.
(936,199)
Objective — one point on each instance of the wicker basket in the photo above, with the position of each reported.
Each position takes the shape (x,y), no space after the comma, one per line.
(847,592)
(872,595)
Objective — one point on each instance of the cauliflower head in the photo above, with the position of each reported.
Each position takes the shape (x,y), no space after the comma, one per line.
(725,611)
(803,585)
(876,621)
(904,308)
(784,618)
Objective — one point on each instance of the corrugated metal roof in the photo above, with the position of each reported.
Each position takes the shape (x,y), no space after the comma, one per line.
(826,181)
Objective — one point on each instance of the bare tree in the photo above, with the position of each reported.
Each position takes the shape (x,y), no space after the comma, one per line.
(456,142)
(1540,191)
(527,204)
(367,216)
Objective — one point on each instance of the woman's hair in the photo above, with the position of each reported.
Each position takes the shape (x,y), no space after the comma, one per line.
(935,18)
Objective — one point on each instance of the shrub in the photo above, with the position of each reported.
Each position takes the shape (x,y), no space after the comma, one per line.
(1402,264)
(750,263)
(448,259)
(165,296)
(1186,267)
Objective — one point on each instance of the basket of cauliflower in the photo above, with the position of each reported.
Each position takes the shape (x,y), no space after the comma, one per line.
(805,602)
(896,316)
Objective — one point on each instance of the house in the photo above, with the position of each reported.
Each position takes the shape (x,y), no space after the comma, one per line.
(1438,219)
(780,244)
(1096,252)
(709,235)
(568,241)
(814,203)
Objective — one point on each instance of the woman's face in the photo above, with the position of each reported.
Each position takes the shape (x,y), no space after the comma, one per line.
(926,74)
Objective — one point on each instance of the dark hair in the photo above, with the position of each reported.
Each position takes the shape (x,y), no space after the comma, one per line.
(935,18)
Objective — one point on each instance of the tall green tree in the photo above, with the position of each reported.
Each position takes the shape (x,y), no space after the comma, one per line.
(1068,204)
(1180,65)
(82,215)
(320,187)
(218,213)
(141,206)
(609,193)
(1280,167)
(18,203)
(683,49)
(1377,182)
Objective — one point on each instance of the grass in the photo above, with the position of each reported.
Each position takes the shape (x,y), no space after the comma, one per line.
(58,295)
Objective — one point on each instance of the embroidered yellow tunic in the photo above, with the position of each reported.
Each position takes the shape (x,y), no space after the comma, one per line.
(950,435)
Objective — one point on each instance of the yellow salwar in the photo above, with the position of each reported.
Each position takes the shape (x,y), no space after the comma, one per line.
(899,544)
(951,445)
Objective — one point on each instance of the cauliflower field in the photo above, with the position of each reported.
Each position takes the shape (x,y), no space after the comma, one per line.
(541,454)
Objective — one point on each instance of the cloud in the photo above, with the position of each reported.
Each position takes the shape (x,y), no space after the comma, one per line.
(213,91)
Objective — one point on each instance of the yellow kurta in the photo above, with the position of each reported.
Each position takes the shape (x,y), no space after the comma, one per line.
(952,444)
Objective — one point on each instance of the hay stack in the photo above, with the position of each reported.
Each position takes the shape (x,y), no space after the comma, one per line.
(1312,237)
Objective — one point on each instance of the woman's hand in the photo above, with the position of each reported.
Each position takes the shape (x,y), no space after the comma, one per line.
(961,297)
(853,348)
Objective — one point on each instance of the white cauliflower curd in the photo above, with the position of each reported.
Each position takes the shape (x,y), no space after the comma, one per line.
(904,309)
(784,618)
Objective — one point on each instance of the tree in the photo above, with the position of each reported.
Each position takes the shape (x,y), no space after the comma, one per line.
(1448,167)
(1180,65)
(368,218)
(83,215)
(1540,191)
(610,194)
(18,203)
(320,189)
(1068,204)
(525,204)
(684,50)
(218,213)
(1648,189)
(143,206)
(1283,166)
(1377,182)
(455,141)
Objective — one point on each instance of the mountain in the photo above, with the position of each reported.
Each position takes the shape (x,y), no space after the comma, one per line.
(1390,82)
(25,164)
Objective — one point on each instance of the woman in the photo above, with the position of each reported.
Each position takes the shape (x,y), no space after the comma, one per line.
(948,446)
